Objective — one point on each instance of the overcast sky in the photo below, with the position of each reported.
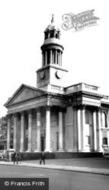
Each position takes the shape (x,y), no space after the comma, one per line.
(22,23)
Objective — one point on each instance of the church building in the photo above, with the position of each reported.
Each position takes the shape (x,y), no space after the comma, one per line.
(53,117)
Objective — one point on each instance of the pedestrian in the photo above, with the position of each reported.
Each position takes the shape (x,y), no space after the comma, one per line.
(42,159)
(17,157)
(13,157)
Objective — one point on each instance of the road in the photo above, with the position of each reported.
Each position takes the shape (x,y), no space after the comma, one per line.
(58,180)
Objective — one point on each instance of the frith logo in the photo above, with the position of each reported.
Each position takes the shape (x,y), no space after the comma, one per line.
(79,21)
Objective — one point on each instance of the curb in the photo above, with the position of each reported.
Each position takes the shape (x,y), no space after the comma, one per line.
(62,168)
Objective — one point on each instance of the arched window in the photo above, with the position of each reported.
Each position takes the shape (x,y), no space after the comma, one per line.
(52,34)
(105,141)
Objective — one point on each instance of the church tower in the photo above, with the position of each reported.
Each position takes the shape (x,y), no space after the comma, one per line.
(50,75)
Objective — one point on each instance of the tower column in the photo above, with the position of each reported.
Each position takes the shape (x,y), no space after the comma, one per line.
(60,131)
(45,58)
(60,58)
(8,132)
(95,130)
(22,132)
(56,57)
(30,131)
(51,57)
(47,143)
(42,58)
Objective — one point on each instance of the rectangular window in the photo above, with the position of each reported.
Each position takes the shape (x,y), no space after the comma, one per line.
(88,140)
(105,141)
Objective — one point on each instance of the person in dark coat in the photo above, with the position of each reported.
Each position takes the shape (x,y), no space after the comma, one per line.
(42,159)
(14,157)
(19,157)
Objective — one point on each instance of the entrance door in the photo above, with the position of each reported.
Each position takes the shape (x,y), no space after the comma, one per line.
(42,142)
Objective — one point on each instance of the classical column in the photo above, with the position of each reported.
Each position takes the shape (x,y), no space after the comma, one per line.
(42,59)
(108,119)
(108,127)
(15,132)
(95,131)
(99,132)
(60,131)
(51,61)
(47,143)
(79,128)
(60,58)
(38,125)
(8,132)
(30,131)
(108,136)
(56,57)
(83,127)
(22,132)
(45,58)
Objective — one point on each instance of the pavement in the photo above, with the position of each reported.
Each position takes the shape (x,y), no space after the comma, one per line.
(99,166)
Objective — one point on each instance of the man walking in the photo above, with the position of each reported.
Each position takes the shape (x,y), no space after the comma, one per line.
(16,157)
(13,157)
(42,159)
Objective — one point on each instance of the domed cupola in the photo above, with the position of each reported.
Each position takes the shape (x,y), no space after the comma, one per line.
(52,31)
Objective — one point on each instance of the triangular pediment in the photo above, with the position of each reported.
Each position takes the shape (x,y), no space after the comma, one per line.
(24,93)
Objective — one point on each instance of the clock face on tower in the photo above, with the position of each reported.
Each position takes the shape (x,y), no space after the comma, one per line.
(58,74)
(49,76)
(42,75)
(42,78)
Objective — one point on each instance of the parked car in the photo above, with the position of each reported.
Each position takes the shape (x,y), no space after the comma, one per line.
(7,155)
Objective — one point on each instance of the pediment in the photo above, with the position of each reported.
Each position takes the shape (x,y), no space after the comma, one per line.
(24,93)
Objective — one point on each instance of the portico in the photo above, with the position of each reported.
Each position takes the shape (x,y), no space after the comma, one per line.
(32,124)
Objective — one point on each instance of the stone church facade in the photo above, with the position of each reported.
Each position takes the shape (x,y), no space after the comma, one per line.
(55,118)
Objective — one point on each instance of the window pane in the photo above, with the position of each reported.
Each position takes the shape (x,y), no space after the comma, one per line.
(105,141)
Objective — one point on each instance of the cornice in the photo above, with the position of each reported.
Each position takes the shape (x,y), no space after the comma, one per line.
(51,66)
(86,93)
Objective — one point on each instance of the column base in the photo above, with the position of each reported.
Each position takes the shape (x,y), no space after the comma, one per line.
(83,150)
(37,151)
(22,151)
(28,151)
(47,150)
(61,150)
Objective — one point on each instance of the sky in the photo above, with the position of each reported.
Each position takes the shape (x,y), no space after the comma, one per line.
(22,23)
